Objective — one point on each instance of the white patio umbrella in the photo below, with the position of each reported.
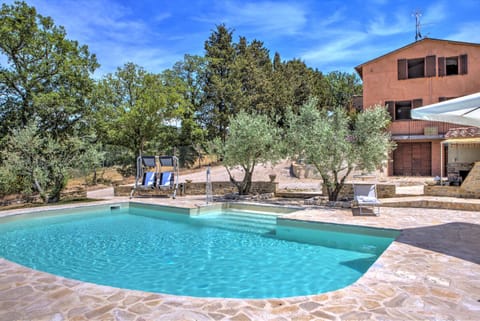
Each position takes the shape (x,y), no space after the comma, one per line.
(463,110)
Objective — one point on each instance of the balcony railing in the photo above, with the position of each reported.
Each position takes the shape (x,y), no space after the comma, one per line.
(420,127)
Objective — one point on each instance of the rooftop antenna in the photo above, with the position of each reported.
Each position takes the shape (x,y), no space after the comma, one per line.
(418,34)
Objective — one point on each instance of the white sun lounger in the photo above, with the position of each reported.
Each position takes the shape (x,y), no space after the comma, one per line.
(365,195)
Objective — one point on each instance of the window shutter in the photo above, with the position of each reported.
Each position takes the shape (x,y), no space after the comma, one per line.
(417,103)
(431,67)
(402,69)
(441,66)
(391,108)
(463,65)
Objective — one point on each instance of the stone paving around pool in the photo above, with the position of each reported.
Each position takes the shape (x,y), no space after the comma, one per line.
(431,272)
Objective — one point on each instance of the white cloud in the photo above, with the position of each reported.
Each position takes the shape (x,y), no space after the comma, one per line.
(434,14)
(281,18)
(84,19)
(153,59)
(379,2)
(163,16)
(387,25)
(344,46)
(468,32)
(337,16)
(111,31)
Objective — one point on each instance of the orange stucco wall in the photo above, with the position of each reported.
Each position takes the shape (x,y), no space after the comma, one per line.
(380,76)
(436,158)
(381,84)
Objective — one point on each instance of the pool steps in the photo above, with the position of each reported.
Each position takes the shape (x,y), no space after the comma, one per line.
(240,221)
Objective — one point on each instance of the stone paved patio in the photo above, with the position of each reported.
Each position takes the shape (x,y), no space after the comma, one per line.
(431,272)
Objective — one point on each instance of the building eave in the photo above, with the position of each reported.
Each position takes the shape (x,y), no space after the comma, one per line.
(359,68)
(417,137)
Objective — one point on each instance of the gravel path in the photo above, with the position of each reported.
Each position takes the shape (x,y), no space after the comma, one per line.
(405,185)
(282,170)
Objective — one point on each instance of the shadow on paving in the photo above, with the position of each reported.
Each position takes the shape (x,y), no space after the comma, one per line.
(461,240)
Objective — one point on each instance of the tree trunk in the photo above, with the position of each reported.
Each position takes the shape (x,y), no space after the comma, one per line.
(58,185)
(332,191)
(333,196)
(40,190)
(246,184)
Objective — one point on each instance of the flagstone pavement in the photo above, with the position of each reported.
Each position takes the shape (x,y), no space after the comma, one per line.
(430,272)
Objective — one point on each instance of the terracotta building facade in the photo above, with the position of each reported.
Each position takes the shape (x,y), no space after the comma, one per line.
(422,73)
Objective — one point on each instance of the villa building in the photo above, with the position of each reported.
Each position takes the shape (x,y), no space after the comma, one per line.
(422,73)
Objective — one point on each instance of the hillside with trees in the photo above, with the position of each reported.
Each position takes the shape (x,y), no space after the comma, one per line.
(56,118)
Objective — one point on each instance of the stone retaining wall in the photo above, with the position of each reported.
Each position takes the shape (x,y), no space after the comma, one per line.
(71,194)
(222,188)
(437,203)
(199,188)
(304,171)
(449,191)
(383,191)
(472,182)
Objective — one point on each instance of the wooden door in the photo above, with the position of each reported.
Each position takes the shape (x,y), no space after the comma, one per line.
(412,159)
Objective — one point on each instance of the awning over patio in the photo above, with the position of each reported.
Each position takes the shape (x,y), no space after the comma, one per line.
(463,110)
(461,141)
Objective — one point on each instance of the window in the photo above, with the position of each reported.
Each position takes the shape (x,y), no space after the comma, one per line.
(417,67)
(457,65)
(440,99)
(401,110)
(451,66)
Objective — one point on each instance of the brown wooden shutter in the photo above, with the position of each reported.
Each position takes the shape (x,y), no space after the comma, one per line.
(431,67)
(441,66)
(391,108)
(463,65)
(402,69)
(417,103)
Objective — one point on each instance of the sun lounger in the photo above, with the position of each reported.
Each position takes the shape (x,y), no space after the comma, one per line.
(365,196)
(166,179)
(156,172)
(149,179)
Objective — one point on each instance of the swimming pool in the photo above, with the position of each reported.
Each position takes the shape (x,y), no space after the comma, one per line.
(165,250)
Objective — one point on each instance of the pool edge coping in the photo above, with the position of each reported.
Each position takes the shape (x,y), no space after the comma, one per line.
(377,267)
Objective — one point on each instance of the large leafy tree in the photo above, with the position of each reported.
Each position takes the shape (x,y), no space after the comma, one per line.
(339,89)
(252,139)
(294,83)
(219,86)
(336,144)
(46,76)
(45,85)
(135,106)
(252,70)
(189,74)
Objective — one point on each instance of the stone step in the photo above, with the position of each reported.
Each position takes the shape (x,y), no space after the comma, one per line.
(247,222)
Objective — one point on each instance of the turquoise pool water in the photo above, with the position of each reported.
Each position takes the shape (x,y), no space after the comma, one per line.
(145,249)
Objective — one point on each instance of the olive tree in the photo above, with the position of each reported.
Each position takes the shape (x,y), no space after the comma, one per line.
(37,162)
(251,140)
(336,144)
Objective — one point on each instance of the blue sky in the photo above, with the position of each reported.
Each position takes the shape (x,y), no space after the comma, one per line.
(328,35)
